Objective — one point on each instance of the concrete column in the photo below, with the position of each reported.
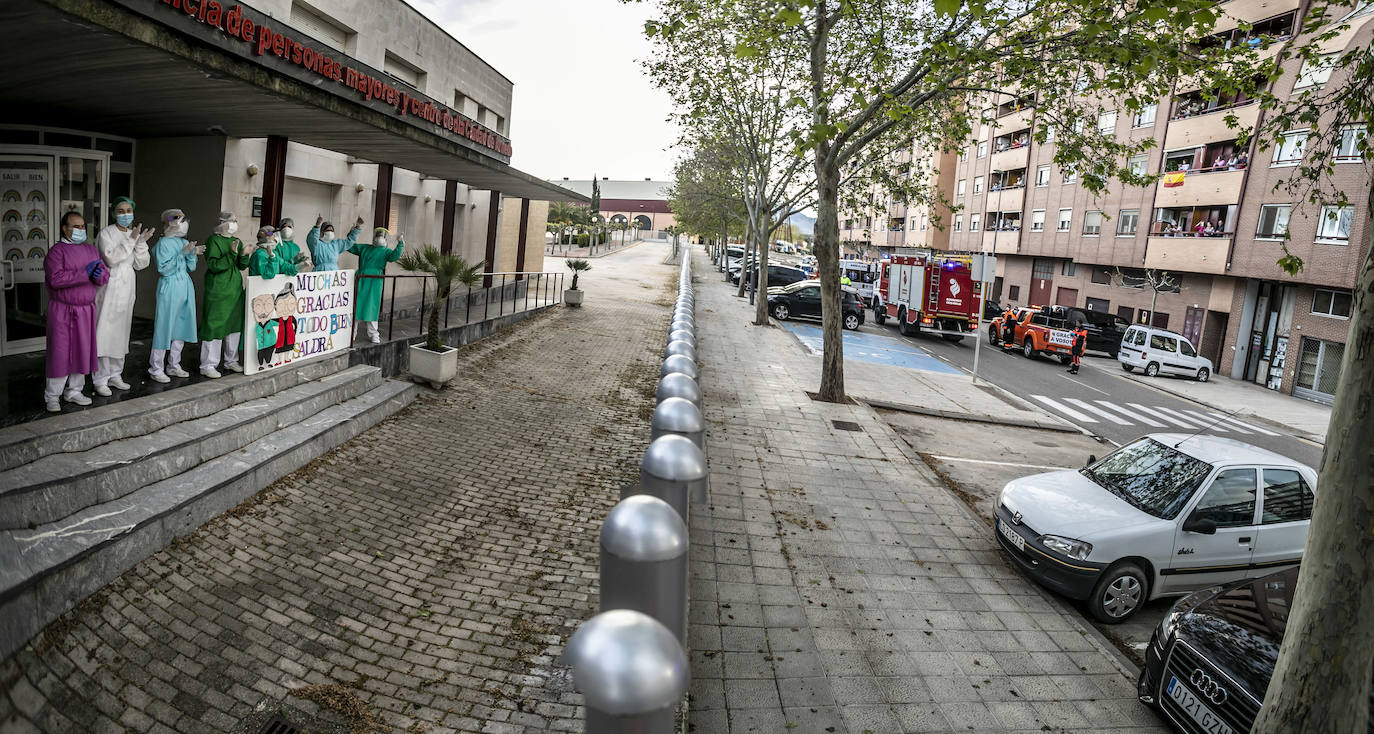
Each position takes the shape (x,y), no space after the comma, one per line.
(273,180)
(381,201)
(493,220)
(450,213)
(524,236)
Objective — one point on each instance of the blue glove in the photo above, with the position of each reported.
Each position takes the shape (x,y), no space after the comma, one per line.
(90,267)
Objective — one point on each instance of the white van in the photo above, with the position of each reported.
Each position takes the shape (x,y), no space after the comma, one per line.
(1159,351)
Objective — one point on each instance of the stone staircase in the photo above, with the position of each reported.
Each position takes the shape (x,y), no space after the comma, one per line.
(85,496)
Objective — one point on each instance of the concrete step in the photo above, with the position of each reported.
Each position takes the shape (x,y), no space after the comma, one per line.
(86,429)
(51,568)
(58,485)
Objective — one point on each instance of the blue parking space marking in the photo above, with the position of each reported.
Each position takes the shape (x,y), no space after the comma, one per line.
(872,348)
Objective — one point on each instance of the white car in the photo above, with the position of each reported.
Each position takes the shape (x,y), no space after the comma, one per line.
(1158,351)
(1163,516)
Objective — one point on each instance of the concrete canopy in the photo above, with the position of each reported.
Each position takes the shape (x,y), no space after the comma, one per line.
(97,65)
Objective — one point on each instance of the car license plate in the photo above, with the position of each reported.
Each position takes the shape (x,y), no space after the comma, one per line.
(1011,535)
(1061,338)
(1189,702)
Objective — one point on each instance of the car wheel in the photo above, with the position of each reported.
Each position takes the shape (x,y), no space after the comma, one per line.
(1203,374)
(903,327)
(1152,369)
(1119,594)
(1027,347)
(879,315)
(780,311)
(994,336)
(1065,359)
(1127,367)
(851,321)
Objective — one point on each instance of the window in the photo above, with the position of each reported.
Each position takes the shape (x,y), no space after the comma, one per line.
(1102,276)
(1273,221)
(1013,292)
(1328,302)
(1289,150)
(1070,176)
(1065,219)
(1127,221)
(1187,348)
(1106,122)
(1145,117)
(403,71)
(1069,268)
(1151,476)
(1139,164)
(959,223)
(1042,176)
(1334,225)
(319,26)
(1163,343)
(1100,305)
(973,220)
(1230,501)
(1092,223)
(1348,150)
(1038,220)
(1287,498)
(978,185)
(983,150)
(1315,74)
(961,188)
(963,156)
(925,220)
(1361,9)
(1042,268)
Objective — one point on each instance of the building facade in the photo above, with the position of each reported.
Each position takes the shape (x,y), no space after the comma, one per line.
(643,203)
(340,109)
(1196,252)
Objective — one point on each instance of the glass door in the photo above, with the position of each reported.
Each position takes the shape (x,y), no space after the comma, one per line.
(26,231)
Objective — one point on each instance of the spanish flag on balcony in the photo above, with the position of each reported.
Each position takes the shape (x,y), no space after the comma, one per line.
(1173,178)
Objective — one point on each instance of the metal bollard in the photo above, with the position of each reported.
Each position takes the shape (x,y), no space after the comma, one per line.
(644,561)
(683,325)
(679,346)
(678,417)
(674,470)
(686,335)
(684,312)
(630,670)
(678,385)
(679,363)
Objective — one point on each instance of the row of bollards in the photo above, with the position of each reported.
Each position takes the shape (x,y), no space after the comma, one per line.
(630,662)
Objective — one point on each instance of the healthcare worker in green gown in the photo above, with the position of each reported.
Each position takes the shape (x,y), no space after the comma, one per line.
(221,315)
(293,258)
(266,261)
(372,260)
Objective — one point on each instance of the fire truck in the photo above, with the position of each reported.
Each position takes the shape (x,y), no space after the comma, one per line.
(936,294)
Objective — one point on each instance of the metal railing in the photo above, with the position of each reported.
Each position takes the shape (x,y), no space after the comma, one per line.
(403,307)
(642,626)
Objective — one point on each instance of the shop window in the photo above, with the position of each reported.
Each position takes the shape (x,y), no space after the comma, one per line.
(1273,221)
(1348,149)
(1038,220)
(1334,225)
(1127,221)
(1289,150)
(1319,370)
(1329,302)
(1065,219)
(1042,176)
(1092,223)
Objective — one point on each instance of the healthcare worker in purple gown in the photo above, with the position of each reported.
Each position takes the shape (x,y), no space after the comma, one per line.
(73,272)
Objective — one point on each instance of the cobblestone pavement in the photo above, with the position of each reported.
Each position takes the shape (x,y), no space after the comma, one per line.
(420,578)
(837,586)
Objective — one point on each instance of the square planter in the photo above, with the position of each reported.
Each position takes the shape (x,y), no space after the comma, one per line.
(573,298)
(436,368)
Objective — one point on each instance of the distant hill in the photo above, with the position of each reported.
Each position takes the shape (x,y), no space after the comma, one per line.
(803,224)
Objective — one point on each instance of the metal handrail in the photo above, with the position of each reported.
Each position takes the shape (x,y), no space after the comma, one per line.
(549,293)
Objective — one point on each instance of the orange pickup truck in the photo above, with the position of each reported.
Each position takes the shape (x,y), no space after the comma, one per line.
(1036,330)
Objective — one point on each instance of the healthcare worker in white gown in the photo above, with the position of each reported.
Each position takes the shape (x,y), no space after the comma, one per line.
(124,248)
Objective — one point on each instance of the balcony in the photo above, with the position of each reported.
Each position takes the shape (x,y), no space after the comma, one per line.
(896,237)
(1007,199)
(1018,120)
(1002,242)
(1201,188)
(1251,11)
(1188,254)
(1209,127)
(1011,159)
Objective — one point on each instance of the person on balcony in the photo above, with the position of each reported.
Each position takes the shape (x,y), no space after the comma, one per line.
(1241,160)
(372,260)
(73,271)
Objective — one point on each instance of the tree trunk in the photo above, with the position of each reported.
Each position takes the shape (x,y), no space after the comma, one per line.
(761,292)
(432,341)
(749,256)
(827,237)
(1321,679)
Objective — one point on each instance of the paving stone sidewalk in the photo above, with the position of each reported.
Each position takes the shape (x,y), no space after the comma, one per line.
(837,586)
(420,578)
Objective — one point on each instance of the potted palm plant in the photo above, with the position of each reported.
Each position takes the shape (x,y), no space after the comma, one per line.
(572,296)
(433,361)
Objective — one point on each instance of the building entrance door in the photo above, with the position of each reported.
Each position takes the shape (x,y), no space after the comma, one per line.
(37,187)
(1042,282)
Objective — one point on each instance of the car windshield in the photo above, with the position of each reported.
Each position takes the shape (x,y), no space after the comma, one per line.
(1155,478)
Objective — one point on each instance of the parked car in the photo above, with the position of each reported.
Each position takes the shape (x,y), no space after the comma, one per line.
(803,299)
(1209,661)
(779,275)
(1165,515)
(1158,351)
(733,254)
(992,310)
(1105,331)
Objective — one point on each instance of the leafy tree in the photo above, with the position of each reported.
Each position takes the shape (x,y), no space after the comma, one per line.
(1158,281)
(448,270)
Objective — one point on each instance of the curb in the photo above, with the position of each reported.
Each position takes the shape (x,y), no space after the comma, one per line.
(973,417)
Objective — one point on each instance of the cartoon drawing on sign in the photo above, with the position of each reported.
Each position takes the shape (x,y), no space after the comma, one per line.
(286,304)
(264,309)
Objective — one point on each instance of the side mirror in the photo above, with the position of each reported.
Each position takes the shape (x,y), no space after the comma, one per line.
(1092,459)
(1201,525)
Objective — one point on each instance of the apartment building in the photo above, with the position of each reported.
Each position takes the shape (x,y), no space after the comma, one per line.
(1195,252)
(889,225)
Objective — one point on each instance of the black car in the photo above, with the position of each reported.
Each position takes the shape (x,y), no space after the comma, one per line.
(778,275)
(1209,662)
(992,310)
(803,300)
(1105,330)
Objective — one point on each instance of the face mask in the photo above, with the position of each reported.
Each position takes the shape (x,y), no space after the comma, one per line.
(327,236)
(78,236)
(181,229)
(286,232)
(380,242)
(124,220)
(232,228)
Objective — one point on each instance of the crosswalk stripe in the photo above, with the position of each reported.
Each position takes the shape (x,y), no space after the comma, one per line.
(1160,416)
(1094,409)
(1136,416)
(1214,423)
(1180,416)
(1251,426)
(1070,412)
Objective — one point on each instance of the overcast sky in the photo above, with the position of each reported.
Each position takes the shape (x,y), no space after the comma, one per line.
(582,102)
